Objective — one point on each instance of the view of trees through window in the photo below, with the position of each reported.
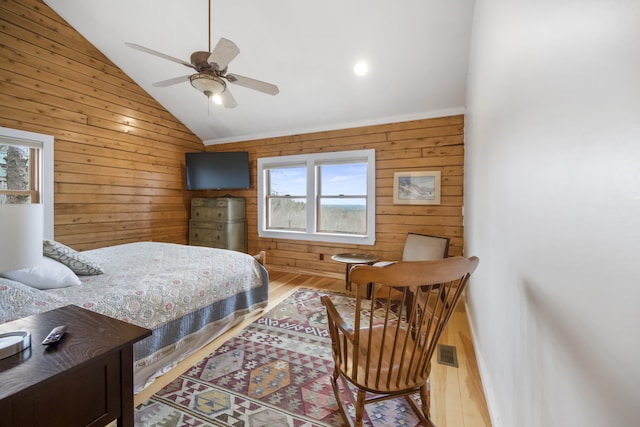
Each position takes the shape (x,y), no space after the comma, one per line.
(16,164)
(341,192)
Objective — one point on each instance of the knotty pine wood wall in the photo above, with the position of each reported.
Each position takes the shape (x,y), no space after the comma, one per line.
(119,155)
(422,145)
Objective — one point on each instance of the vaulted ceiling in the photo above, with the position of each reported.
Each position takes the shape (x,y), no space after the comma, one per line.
(416,51)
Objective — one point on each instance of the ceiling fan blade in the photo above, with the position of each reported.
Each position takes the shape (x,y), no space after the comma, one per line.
(159,54)
(254,84)
(223,53)
(173,81)
(228,101)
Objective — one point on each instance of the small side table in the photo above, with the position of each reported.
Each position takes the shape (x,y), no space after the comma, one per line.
(352,259)
(84,380)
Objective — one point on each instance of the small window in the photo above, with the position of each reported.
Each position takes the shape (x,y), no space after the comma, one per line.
(19,173)
(323,197)
(26,171)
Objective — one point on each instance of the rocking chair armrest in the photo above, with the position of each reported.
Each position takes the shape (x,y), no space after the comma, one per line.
(334,316)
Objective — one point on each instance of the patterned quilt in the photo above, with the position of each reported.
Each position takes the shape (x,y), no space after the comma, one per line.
(175,290)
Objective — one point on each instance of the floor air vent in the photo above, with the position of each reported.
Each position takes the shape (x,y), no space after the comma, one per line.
(447,355)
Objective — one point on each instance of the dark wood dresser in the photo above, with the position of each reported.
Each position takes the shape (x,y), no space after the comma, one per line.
(86,379)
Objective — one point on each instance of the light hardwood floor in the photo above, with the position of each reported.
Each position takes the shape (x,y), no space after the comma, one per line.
(457,397)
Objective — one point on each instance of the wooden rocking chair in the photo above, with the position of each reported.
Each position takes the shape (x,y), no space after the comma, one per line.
(386,352)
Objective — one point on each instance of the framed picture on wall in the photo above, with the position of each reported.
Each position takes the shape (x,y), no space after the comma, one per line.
(416,188)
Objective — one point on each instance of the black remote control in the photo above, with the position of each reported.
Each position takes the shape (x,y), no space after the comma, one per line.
(55,335)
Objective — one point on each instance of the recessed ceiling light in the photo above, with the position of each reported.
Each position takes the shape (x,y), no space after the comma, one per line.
(360,68)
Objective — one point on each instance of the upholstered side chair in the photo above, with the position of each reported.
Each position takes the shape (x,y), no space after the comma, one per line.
(419,247)
(422,247)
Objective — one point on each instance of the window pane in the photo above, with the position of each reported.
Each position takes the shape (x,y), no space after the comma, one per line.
(15,173)
(287,213)
(343,215)
(349,179)
(323,197)
(288,181)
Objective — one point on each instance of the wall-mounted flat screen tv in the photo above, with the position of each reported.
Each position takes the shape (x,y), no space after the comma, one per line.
(217,170)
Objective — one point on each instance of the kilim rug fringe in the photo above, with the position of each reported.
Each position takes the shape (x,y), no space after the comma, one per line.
(274,373)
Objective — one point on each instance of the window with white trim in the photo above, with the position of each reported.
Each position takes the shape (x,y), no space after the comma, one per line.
(26,171)
(327,197)
(19,172)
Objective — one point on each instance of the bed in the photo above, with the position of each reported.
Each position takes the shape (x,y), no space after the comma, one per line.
(187,295)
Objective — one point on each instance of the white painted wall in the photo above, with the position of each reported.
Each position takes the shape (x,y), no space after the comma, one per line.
(552,204)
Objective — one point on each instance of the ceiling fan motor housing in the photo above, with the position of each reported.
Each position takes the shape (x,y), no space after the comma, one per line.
(199,60)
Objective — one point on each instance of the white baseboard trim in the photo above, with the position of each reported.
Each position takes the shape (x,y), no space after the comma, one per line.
(489,395)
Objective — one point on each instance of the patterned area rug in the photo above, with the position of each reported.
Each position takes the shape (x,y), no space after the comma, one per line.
(275,373)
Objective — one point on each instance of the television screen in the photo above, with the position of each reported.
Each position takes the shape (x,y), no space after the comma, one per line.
(217,170)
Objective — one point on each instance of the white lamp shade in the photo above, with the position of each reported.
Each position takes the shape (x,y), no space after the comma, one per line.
(21,232)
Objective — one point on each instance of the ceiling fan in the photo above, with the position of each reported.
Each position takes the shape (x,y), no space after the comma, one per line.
(211,75)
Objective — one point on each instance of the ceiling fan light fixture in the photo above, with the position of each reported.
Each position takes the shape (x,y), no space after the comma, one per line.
(208,84)
(216,99)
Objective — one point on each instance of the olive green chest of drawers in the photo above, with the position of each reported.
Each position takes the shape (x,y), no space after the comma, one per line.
(218,222)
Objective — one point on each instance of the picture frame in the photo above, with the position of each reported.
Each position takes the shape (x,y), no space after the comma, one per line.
(416,188)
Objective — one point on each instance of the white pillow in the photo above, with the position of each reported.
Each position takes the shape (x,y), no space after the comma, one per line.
(49,274)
